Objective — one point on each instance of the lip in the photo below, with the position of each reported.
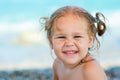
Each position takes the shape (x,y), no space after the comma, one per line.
(70,52)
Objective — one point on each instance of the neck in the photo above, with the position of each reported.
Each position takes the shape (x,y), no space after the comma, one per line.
(86,59)
(70,66)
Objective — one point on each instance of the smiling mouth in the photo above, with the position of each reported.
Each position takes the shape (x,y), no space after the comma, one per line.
(70,52)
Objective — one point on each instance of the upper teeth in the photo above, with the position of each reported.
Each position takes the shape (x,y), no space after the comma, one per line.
(70,52)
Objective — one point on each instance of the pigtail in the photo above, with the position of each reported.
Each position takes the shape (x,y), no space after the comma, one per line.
(43,22)
(100,20)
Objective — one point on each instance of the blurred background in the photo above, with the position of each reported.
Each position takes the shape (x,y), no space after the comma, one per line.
(24,46)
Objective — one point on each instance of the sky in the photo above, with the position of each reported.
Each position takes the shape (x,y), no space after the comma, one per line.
(19,25)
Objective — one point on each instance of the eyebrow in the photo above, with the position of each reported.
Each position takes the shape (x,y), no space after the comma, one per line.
(66,34)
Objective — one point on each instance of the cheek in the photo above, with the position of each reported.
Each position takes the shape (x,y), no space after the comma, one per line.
(57,49)
(83,44)
(56,45)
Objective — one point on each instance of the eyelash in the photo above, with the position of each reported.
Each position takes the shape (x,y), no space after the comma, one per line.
(77,36)
(74,37)
(61,37)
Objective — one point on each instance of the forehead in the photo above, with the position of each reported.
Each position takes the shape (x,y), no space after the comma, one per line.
(70,21)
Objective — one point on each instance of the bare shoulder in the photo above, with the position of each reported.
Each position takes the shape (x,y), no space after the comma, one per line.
(93,71)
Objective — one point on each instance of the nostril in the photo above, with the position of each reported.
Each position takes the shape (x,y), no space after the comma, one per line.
(69,45)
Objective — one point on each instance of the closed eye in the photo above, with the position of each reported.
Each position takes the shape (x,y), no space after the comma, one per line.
(77,36)
(61,37)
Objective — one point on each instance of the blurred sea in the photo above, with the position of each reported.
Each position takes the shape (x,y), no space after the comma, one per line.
(16,54)
(22,59)
(20,51)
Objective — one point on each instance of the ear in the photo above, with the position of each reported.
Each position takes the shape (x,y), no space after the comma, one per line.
(50,41)
(91,40)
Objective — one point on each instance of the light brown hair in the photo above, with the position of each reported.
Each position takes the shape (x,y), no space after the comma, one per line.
(99,29)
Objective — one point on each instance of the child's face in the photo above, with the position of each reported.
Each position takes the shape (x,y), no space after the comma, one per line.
(70,40)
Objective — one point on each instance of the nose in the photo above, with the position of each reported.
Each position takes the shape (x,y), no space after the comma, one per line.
(69,43)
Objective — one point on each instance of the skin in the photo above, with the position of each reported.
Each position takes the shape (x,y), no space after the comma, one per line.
(70,41)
